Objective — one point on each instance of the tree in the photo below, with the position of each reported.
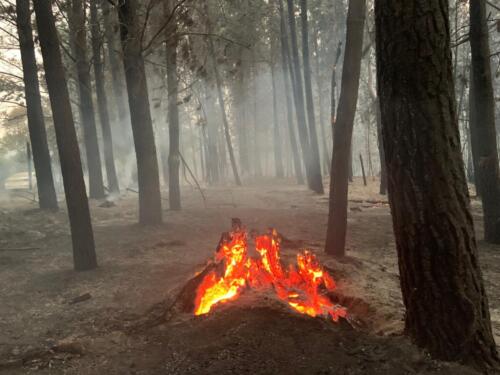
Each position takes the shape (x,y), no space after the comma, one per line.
(289,106)
(140,115)
(41,156)
(96,185)
(82,236)
(313,137)
(482,125)
(313,178)
(441,282)
(220,96)
(102,102)
(114,53)
(171,37)
(342,132)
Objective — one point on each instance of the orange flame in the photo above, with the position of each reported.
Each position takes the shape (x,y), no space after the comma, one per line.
(301,286)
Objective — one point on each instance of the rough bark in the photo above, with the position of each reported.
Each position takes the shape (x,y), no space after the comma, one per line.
(82,237)
(102,102)
(96,185)
(342,137)
(47,197)
(297,165)
(140,115)
(316,177)
(441,282)
(483,132)
(174,189)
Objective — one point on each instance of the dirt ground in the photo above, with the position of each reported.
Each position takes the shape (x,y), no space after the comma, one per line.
(57,321)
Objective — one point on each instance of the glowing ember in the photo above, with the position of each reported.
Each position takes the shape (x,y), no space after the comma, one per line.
(301,286)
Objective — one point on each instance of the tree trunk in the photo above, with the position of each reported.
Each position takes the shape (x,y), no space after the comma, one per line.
(174,189)
(446,305)
(316,177)
(278,151)
(220,95)
(47,197)
(326,162)
(102,102)
(140,115)
(376,106)
(298,94)
(362,169)
(297,165)
(342,137)
(483,132)
(124,142)
(212,155)
(82,237)
(96,185)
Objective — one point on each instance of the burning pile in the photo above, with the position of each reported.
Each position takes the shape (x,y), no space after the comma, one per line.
(302,286)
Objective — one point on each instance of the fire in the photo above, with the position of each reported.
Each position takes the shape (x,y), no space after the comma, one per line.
(301,286)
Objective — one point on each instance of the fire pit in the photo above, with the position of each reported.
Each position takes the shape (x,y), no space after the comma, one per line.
(303,286)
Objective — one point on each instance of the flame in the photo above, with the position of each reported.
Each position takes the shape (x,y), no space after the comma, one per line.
(301,286)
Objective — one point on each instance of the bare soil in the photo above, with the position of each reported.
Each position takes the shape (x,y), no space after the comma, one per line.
(54,320)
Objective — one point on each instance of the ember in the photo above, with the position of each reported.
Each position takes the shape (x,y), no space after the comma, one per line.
(301,286)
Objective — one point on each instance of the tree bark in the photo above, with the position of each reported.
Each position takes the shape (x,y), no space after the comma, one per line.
(174,189)
(82,237)
(483,132)
(316,177)
(297,165)
(102,102)
(446,304)
(140,115)
(342,137)
(47,197)
(96,185)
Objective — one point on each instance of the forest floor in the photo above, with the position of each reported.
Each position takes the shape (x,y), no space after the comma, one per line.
(54,320)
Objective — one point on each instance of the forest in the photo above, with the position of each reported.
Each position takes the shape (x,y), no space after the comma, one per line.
(250,187)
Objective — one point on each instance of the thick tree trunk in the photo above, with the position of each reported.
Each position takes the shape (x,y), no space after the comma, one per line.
(297,164)
(316,177)
(483,132)
(142,127)
(82,237)
(342,137)
(96,185)
(174,189)
(41,156)
(102,102)
(446,305)
(278,150)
